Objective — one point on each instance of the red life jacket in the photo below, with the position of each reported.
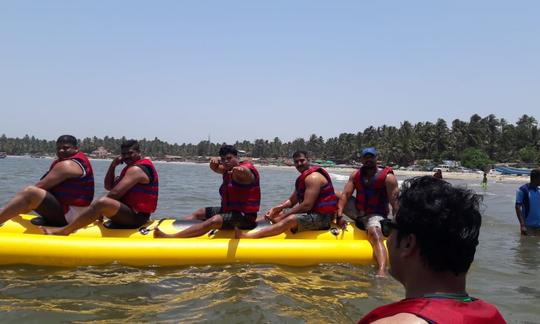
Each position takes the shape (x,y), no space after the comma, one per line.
(440,310)
(75,191)
(372,199)
(327,200)
(142,198)
(240,197)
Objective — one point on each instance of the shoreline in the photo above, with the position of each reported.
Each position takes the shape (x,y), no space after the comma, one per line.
(409,174)
(347,170)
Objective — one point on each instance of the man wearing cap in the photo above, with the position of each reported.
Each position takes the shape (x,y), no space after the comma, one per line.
(375,187)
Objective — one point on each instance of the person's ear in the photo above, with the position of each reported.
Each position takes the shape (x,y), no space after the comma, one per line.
(409,244)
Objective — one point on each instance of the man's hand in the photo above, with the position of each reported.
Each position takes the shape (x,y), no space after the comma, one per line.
(214,162)
(116,161)
(341,222)
(523,229)
(238,170)
(273,213)
(339,212)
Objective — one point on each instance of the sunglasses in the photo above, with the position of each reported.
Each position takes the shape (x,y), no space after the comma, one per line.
(387,226)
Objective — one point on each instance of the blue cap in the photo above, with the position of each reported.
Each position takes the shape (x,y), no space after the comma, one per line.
(369,150)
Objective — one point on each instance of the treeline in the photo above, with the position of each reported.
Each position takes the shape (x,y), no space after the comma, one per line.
(483,139)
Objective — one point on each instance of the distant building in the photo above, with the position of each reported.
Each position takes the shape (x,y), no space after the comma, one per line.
(100,153)
(173,158)
(451,163)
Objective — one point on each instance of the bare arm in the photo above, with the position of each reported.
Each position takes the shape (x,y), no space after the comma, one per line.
(133,176)
(242,175)
(392,190)
(274,211)
(346,194)
(406,318)
(62,171)
(314,182)
(216,166)
(521,220)
(109,177)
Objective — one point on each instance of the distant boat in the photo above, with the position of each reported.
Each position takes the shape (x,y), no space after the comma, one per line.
(512,171)
(324,164)
(3,155)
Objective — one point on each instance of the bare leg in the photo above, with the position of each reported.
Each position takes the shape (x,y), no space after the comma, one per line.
(23,202)
(375,237)
(277,228)
(103,206)
(278,218)
(215,222)
(199,214)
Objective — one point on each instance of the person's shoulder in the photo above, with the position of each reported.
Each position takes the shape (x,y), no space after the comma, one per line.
(315,177)
(66,164)
(136,169)
(406,318)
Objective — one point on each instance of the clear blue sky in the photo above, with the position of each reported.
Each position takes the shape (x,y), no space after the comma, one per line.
(183,70)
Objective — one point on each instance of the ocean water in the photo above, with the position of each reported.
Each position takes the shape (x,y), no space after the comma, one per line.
(505,271)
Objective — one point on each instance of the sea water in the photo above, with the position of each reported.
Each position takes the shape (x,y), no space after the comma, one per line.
(505,272)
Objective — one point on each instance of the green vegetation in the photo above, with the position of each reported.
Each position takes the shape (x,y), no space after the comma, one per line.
(475,159)
(478,141)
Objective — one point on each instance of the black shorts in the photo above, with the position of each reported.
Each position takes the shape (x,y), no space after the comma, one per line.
(233,219)
(51,211)
(127,218)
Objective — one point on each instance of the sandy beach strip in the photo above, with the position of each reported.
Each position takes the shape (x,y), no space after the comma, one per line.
(492,177)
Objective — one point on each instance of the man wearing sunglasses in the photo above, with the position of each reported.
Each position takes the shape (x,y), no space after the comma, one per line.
(375,188)
(431,246)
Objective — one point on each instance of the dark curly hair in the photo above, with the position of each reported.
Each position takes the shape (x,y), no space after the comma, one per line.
(445,220)
(299,153)
(228,149)
(130,144)
(67,139)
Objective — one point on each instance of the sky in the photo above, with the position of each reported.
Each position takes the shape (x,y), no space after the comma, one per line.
(184,71)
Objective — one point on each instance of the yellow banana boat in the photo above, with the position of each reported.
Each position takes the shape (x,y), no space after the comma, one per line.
(21,242)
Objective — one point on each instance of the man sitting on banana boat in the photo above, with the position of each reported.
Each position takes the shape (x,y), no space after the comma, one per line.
(132,197)
(376,188)
(61,193)
(240,197)
(312,205)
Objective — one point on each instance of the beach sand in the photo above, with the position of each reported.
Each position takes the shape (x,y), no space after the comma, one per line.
(492,177)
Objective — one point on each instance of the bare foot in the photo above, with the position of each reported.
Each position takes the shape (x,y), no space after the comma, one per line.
(53,231)
(159,234)
(238,233)
(381,274)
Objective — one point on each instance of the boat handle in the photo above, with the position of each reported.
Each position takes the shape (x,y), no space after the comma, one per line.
(145,230)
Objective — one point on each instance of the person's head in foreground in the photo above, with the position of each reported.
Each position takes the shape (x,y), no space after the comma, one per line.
(431,246)
(438,224)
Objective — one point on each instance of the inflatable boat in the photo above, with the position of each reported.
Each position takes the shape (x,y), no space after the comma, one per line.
(21,242)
